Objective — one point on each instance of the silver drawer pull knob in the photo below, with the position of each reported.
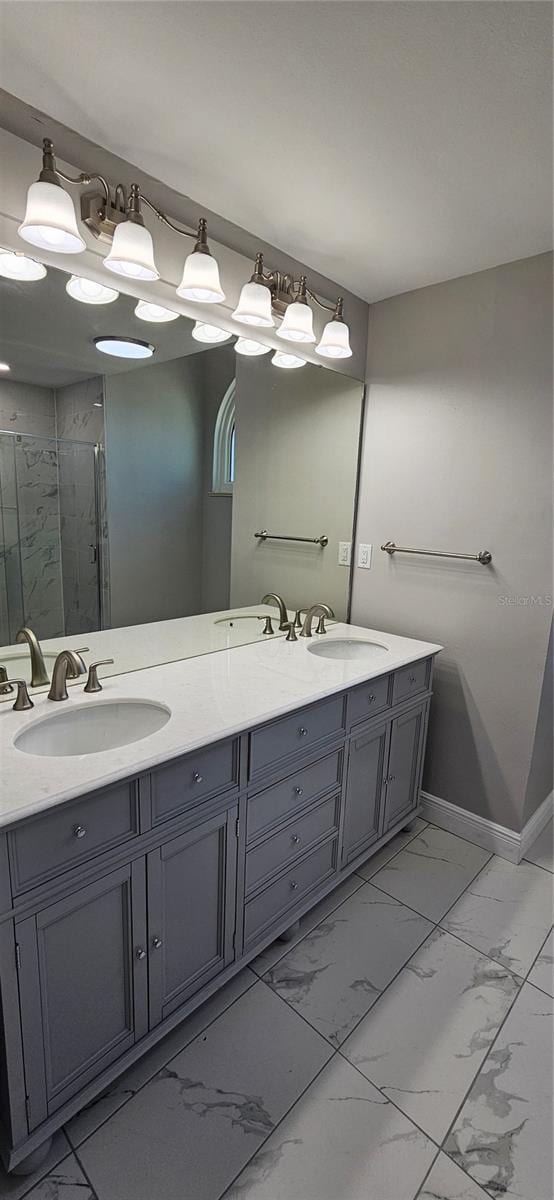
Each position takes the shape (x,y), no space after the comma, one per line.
(302,731)
(197,778)
(299,791)
(371,698)
(140,953)
(157,943)
(412,679)
(293,885)
(295,838)
(391,778)
(79,831)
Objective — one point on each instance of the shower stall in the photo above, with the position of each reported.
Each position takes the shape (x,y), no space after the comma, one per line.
(52,536)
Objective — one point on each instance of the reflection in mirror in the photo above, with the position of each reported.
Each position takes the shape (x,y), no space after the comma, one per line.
(133,491)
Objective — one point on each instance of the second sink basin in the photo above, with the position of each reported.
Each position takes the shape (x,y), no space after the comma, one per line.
(348,649)
(93,727)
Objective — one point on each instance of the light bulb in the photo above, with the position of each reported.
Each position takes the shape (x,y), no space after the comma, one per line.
(250,348)
(297,324)
(200,281)
(88,291)
(254,306)
(154,312)
(18,266)
(209,333)
(124,347)
(335,341)
(50,220)
(288,361)
(132,252)
(4,367)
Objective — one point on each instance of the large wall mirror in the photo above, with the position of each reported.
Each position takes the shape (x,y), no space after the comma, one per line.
(132,489)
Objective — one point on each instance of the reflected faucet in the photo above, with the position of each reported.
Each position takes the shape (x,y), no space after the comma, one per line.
(283,614)
(39,674)
(68,663)
(317,610)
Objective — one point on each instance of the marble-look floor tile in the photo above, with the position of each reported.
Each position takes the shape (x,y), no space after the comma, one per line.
(196,1124)
(339,970)
(446,1181)
(503,1134)
(432,871)
(542,971)
(127,1085)
(65,1182)
(506,913)
(341,1141)
(278,949)
(13,1187)
(542,851)
(425,1039)
(374,864)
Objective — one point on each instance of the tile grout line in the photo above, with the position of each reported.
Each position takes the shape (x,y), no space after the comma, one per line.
(416,833)
(288,948)
(85,1173)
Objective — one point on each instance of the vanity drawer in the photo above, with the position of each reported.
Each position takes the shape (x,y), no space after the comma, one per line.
(372,697)
(274,804)
(70,834)
(293,734)
(411,679)
(283,847)
(205,773)
(286,892)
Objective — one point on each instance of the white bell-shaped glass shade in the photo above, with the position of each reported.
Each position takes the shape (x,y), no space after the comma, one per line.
(88,291)
(146,311)
(132,252)
(209,333)
(250,348)
(335,341)
(200,280)
(254,306)
(18,266)
(50,220)
(288,361)
(4,366)
(297,324)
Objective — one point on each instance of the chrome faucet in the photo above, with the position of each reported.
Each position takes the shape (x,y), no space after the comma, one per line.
(39,674)
(68,663)
(283,614)
(317,610)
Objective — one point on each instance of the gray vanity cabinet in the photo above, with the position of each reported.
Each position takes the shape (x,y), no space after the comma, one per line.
(82,985)
(367,760)
(191,911)
(401,790)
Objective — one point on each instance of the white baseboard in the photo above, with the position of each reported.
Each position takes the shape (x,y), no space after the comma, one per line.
(496,838)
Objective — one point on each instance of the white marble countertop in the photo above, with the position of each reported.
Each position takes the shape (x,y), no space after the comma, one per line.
(210,697)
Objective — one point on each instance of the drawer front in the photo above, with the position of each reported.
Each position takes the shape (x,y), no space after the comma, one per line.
(181,784)
(70,834)
(293,734)
(282,848)
(370,698)
(411,680)
(286,798)
(286,892)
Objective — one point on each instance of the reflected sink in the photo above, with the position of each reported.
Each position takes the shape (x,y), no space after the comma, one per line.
(243,620)
(92,728)
(348,649)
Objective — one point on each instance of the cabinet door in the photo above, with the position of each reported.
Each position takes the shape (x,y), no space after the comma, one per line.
(83,985)
(366,768)
(404,768)
(191,911)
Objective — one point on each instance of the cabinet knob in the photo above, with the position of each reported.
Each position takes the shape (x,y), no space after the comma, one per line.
(197,778)
(302,731)
(412,679)
(391,778)
(293,885)
(295,838)
(370,698)
(157,943)
(299,791)
(79,831)
(140,953)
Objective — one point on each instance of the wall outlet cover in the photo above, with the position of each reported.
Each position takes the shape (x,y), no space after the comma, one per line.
(345,550)
(364,555)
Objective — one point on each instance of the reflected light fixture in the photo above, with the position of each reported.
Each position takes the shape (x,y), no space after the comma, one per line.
(200,280)
(250,348)
(288,361)
(254,306)
(209,333)
(124,347)
(18,266)
(146,311)
(88,291)
(132,251)
(4,367)
(335,339)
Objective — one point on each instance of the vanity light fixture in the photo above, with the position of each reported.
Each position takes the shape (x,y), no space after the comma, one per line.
(14,265)
(288,361)
(335,339)
(209,333)
(132,251)
(146,311)
(50,220)
(124,347)
(88,291)
(254,306)
(200,280)
(287,297)
(250,348)
(298,322)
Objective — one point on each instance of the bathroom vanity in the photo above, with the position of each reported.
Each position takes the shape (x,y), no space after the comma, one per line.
(135,881)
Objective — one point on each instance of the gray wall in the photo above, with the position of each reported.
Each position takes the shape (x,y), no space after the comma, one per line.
(297,450)
(458,456)
(79,418)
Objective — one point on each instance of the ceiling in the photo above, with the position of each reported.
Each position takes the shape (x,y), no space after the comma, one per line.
(389,145)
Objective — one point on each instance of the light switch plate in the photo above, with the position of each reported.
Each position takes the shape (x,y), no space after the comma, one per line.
(364,555)
(345,550)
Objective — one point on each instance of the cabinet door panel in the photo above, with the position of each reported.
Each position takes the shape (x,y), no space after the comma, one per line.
(366,768)
(191,892)
(406,748)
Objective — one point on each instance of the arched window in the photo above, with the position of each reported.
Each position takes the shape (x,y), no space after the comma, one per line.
(223,474)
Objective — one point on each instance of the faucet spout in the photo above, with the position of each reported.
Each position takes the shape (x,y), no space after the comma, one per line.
(317,610)
(283,614)
(39,674)
(68,663)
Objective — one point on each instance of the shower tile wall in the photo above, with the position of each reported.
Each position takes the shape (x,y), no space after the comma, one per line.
(80,417)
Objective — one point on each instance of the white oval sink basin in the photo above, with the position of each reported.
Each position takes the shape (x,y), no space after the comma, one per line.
(348,649)
(92,728)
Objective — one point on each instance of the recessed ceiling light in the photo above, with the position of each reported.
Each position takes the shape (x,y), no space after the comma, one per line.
(209,333)
(289,361)
(18,266)
(88,291)
(124,347)
(154,312)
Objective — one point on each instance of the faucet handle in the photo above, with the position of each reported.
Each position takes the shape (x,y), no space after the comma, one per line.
(291,635)
(320,627)
(23,699)
(4,680)
(93,683)
(268,627)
